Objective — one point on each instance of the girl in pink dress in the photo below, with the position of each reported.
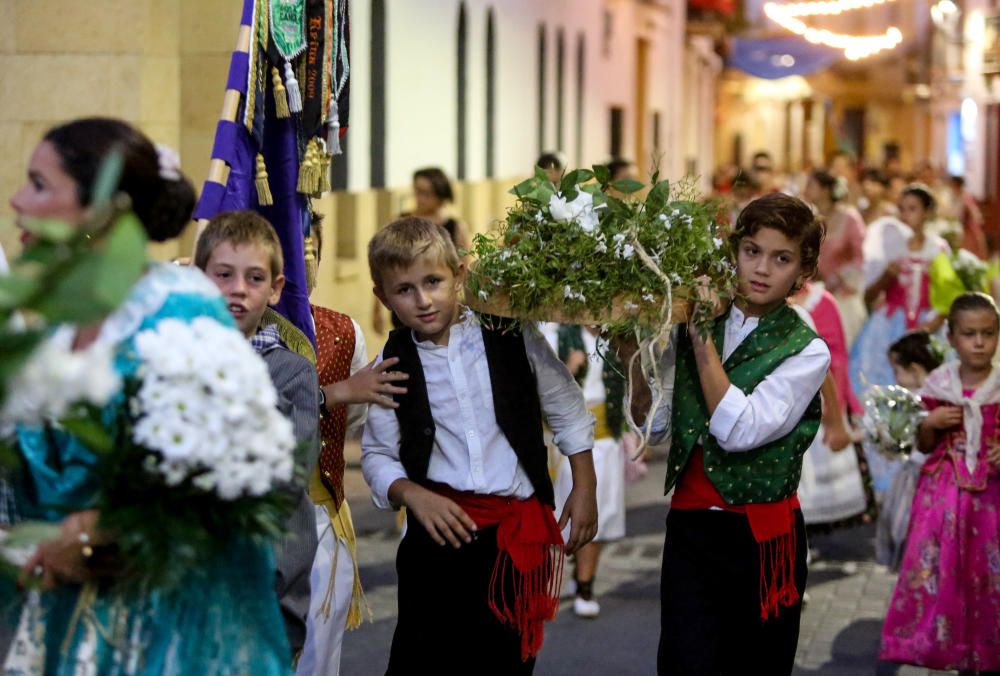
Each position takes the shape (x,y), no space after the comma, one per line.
(945,611)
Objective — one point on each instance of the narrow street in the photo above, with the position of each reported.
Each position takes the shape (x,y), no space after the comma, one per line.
(848,595)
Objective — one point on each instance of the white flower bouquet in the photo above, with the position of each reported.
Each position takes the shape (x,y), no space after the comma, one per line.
(590,251)
(197,454)
(200,453)
(891,417)
(206,409)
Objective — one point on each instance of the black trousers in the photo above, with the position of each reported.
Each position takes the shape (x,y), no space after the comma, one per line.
(445,625)
(710,599)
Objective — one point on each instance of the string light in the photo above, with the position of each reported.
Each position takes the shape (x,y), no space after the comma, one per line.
(826,7)
(854,46)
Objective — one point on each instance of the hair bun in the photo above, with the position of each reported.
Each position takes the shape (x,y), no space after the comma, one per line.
(169,212)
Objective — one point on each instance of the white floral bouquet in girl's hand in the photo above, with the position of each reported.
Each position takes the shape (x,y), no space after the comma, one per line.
(579,254)
(201,454)
(206,410)
(891,419)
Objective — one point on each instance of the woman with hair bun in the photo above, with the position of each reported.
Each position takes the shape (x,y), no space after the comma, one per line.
(225,619)
(841,262)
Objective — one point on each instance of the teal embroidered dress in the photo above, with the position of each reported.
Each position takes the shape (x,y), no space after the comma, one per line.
(224,620)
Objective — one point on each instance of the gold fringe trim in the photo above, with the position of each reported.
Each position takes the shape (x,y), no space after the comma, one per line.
(280,95)
(343,529)
(263,189)
(290,335)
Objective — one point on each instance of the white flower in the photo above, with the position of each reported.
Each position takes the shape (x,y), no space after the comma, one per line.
(484,294)
(666,221)
(629,305)
(628,251)
(539,217)
(581,210)
(649,298)
(206,407)
(55,378)
(675,278)
(717,242)
(570,294)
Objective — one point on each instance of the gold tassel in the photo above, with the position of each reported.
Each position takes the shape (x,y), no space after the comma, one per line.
(326,159)
(308,170)
(263,189)
(280,96)
(312,262)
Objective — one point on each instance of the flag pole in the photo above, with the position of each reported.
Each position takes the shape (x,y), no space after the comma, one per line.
(218,170)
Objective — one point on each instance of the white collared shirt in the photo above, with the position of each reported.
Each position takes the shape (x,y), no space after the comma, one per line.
(470,451)
(742,422)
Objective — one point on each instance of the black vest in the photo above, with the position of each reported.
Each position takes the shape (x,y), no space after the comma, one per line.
(515,402)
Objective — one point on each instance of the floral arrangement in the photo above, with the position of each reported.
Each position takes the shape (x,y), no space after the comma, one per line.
(191,450)
(891,418)
(952,274)
(205,412)
(200,452)
(970,270)
(592,251)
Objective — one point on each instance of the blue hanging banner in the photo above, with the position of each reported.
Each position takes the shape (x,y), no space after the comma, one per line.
(773,58)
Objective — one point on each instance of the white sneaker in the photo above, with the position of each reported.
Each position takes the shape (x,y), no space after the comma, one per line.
(588,608)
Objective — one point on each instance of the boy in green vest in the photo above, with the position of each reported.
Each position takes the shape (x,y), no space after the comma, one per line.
(745,408)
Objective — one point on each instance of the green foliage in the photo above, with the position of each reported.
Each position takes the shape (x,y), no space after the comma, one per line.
(540,262)
(70,273)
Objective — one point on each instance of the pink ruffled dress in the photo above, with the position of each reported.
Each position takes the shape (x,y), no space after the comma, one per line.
(945,610)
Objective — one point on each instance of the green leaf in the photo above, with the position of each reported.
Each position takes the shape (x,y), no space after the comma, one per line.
(49,229)
(16,290)
(99,279)
(90,431)
(543,193)
(573,179)
(627,186)
(541,175)
(602,174)
(108,177)
(659,196)
(9,457)
(124,260)
(523,188)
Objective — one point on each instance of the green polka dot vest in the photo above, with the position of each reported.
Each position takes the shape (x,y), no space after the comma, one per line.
(765,474)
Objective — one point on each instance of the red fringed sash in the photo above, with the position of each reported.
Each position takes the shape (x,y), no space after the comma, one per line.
(530,561)
(772,524)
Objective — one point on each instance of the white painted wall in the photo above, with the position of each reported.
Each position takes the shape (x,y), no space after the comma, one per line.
(421,69)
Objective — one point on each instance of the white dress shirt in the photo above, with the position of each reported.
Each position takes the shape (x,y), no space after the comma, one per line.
(356,413)
(470,451)
(742,422)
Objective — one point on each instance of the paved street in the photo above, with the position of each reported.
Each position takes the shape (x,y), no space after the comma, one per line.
(840,626)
